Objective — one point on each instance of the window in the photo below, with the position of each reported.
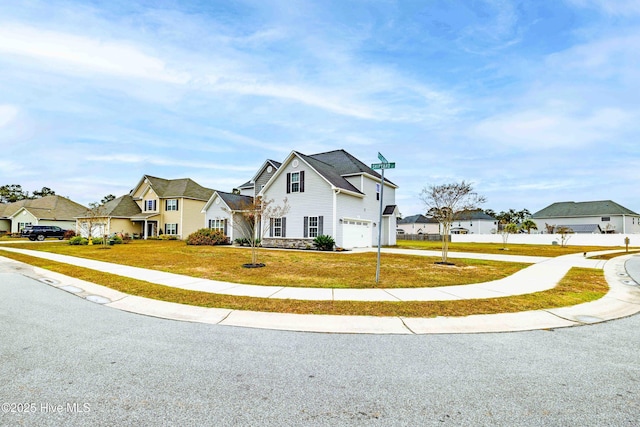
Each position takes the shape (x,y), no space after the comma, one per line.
(295,182)
(171,229)
(312,226)
(606,218)
(149,205)
(217,224)
(377,191)
(277,227)
(22,225)
(171,205)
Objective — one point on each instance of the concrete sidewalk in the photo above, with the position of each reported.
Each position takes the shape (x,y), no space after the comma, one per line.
(622,300)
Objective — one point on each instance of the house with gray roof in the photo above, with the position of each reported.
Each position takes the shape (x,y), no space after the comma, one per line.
(474,222)
(418,224)
(225,212)
(331,193)
(604,216)
(49,210)
(153,207)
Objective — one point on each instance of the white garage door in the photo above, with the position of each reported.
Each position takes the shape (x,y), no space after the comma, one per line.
(356,234)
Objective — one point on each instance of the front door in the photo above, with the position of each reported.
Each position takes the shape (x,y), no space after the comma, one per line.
(151,229)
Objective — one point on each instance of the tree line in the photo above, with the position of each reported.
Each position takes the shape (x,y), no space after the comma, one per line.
(13,193)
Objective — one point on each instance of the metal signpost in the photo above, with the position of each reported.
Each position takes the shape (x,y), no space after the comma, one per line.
(382,166)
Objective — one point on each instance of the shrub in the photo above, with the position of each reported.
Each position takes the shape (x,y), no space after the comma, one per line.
(115,240)
(324,243)
(69,234)
(78,240)
(207,236)
(97,240)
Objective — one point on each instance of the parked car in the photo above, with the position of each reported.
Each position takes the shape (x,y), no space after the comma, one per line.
(41,232)
(399,231)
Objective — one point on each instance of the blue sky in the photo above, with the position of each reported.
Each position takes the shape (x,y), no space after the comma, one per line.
(533,102)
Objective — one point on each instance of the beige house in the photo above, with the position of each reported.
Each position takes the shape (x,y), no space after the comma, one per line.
(154,207)
(48,210)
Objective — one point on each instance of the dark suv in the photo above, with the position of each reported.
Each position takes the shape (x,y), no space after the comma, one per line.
(41,232)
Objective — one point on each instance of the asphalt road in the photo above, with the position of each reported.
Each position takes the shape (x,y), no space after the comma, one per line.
(68,361)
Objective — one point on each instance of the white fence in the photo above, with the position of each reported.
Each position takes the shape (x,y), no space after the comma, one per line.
(548,239)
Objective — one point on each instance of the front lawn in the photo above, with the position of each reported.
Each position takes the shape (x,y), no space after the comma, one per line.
(291,268)
(578,286)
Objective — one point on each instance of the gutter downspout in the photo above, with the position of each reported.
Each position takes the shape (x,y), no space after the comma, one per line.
(336,191)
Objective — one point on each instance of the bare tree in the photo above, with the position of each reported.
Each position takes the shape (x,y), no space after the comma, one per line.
(93,219)
(445,203)
(564,233)
(254,220)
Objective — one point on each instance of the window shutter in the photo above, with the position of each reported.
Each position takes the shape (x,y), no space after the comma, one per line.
(284,227)
(270,227)
(166,205)
(288,183)
(225,227)
(320,220)
(177,204)
(155,207)
(302,181)
(306,227)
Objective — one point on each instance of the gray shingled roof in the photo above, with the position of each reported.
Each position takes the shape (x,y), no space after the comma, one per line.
(417,219)
(389,209)
(183,187)
(573,209)
(122,207)
(235,201)
(48,207)
(330,173)
(581,228)
(345,164)
(477,214)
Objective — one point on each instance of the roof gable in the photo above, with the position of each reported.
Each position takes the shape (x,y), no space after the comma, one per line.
(48,207)
(168,188)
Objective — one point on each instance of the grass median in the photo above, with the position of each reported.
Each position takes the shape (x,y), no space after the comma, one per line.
(578,286)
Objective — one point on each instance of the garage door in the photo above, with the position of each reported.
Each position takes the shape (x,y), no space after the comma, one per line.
(356,234)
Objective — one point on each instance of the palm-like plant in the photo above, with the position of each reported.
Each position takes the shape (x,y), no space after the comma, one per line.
(528,225)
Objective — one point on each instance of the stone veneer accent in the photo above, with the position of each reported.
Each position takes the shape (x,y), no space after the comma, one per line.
(285,243)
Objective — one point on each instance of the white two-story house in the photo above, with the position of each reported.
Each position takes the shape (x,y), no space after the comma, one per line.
(330,193)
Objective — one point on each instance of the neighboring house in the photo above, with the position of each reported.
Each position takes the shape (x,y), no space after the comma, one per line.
(333,194)
(603,216)
(223,211)
(474,222)
(418,224)
(48,210)
(169,206)
(112,217)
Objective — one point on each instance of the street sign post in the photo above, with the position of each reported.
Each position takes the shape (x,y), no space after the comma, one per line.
(381,166)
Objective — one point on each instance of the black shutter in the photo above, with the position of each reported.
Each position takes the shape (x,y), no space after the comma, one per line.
(270,227)
(288,183)
(320,220)
(166,205)
(177,204)
(305,231)
(302,181)
(225,227)
(284,227)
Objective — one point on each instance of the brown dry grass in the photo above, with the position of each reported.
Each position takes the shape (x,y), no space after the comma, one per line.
(496,248)
(291,268)
(578,286)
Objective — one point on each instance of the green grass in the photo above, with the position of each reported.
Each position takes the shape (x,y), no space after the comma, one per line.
(578,286)
(291,268)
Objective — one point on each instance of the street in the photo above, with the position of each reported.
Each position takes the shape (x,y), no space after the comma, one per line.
(68,361)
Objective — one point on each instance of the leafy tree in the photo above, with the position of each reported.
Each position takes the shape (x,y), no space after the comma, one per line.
(507,229)
(106,199)
(528,225)
(46,191)
(445,203)
(12,193)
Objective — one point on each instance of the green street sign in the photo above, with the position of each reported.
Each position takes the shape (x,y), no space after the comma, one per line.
(385,165)
(382,159)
